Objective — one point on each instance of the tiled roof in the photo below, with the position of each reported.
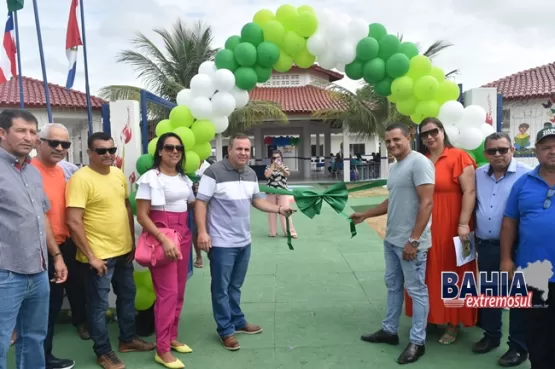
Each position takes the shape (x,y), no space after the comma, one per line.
(303,99)
(33,92)
(532,83)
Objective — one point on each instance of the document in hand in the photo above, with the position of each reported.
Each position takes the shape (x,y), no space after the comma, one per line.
(466,251)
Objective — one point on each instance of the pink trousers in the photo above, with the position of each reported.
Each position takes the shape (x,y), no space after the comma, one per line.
(169,281)
(280,200)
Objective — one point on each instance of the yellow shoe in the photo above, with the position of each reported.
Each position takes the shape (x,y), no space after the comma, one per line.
(183,349)
(177,364)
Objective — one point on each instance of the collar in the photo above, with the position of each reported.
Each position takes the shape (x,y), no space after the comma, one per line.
(229,167)
(442,155)
(4,155)
(535,172)
(510,169)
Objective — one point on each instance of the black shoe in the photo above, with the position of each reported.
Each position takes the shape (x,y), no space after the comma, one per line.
(411,354)
(513,357)
(381,336)
(55,363)
(485,345)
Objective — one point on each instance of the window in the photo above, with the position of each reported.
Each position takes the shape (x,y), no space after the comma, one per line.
(506,126)
(313,150)
(358,148)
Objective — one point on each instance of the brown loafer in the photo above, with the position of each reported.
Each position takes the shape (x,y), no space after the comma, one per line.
(136,345)
(249,329)
(230,343)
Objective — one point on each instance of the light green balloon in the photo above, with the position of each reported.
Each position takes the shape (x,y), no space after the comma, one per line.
(274,32)
(263,16)
(203,150)
(204,131)
(144,299)
(402,88)
(164,126)
(306,8)
(438,74)
(181,116)
(284,63)
(192,162)
(420,66)
(152,146)
(427,109)
(293,43)
(187,136)
(425,88)
(304,59)
(288,16)
(307,24)
(407,106)
(447,91)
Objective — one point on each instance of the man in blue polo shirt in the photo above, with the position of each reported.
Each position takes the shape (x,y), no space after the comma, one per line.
(530,214)
(493,185)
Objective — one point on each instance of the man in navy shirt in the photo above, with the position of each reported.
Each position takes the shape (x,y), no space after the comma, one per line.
(530,214)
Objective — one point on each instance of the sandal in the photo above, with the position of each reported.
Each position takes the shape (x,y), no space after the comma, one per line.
(271,235)
(449,336)
(197,264)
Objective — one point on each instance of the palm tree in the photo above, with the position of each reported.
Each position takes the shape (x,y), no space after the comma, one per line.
(365,112)
(166,71)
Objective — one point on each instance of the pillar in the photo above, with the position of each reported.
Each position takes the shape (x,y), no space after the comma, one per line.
(384,162)
(318,151)
(346,153)
(219,148)
(327,140)
(259,154)
(306,140)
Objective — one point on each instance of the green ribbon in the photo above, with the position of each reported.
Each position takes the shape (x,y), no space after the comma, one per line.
(310,202)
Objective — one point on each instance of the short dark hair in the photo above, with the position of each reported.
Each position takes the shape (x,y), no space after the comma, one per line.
(498,136)
(98,136)
(8,115)
(402,126)
(237,136)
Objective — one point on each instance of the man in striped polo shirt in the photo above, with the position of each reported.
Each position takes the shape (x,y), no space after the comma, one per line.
(226,191)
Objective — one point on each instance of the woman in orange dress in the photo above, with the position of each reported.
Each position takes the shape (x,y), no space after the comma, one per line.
(452,216)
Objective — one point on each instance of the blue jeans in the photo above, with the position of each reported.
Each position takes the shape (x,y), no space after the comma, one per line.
(490,320)
(24,301)
(120,276)
(411,274)
(228,268)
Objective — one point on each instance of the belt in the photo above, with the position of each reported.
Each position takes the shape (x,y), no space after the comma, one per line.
(492,241)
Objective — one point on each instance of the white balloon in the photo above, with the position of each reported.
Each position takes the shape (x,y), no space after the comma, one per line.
(469,138)
(340,68)
(317,44)
(345,53)
(201,107)
(325,17)
(241,97)
(358,29)
(451,113)
(327,60)
(184,97)
(220,124)
(208,67)
(223,104)
(473,116)
(338,32)
(452,132)
(202,85)
(487,129)
(223,80)
(138,267)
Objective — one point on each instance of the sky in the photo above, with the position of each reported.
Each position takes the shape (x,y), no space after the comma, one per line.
(492,38)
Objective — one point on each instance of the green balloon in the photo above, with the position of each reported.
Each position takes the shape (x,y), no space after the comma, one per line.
(397,65)
(267,54)
(191,163)
(164,126)
(383,88)
(402,88)
(367,49)
(187,136)
(482,163)
(293,43)
(377,31)
(225,59)
(152,146)
(144,163)
(180,116)
(428,109)
(425,88)
(144,299)
(232,42)
(252,33)
(389,45)
(406,106)
(478,153)
(133,202)
(354,70)
(263,74)
(409,49)
(245,78)
(203,150)
(274,32)
(284,63)
(245,54)
(374,70)
(204,131)
(304,59)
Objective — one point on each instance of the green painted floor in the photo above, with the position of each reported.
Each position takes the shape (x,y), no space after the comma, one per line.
(313,303)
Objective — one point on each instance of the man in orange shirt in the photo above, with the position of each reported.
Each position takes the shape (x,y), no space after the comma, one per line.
(51,149)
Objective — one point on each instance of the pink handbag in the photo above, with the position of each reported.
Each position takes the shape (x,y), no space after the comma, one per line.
(150,252)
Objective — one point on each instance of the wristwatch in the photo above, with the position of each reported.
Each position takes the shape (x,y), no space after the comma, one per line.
(413,242)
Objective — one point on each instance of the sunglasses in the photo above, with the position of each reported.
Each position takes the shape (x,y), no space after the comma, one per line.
(55,143)
(171,148)
(547,202)
(103,151)
(500,150)
(276,157)
(431,133)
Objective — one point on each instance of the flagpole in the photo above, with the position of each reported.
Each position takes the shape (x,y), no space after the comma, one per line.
(20,74)
(87,88)
(42,63)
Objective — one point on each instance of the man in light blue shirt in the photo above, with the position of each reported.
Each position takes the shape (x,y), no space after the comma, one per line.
(493,186)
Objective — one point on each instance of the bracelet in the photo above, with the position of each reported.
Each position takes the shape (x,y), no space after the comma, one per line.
(56,254)
(463,225)
(279,210)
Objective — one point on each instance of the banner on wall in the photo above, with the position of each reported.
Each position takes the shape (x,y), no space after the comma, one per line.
(126,132)
(485,98)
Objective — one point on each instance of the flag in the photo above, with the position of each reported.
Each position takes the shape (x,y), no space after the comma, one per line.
(73,40)
(8,65)
(15,5)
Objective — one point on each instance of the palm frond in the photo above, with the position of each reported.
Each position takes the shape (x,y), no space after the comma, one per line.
(254,113)
(436,48)
(119,92)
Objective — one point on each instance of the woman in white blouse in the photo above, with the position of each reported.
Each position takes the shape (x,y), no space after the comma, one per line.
(163,198)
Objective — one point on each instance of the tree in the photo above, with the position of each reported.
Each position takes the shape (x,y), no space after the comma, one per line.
(365,112)
(166,71)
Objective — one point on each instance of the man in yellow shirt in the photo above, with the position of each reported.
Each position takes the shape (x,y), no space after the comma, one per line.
(101,224)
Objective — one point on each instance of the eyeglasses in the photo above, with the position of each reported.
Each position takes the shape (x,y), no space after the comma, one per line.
(432,133)
(500,150)
(171,148)
(276,157)
(55,143)
(547,202)
(103,151)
